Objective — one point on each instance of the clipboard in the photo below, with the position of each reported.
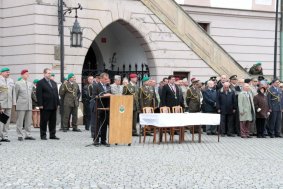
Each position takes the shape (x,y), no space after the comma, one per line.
(4,118)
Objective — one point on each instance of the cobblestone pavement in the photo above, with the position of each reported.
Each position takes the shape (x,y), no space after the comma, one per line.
(67,163)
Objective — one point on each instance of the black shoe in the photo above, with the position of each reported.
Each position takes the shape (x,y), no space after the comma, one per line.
(263,136)
(29,138)
(271,136)
(5,140)
(231,135)
(77,130)
(96,144)
(135,134)
(105,144)
(259,137)
(43,138)
(209,133)
(249,136)
(54,138)
(278,136)
(86,129)
(20,139)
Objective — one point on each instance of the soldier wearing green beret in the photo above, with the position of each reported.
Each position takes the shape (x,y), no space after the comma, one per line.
(70,94)
(256,69)
(8,99)
(147,95)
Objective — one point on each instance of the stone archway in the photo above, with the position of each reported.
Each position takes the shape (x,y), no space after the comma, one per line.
(119,46)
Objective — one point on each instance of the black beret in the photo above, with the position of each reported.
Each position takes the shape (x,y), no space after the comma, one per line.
(247,80)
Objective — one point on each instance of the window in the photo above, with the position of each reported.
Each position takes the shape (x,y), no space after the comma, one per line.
(204,26)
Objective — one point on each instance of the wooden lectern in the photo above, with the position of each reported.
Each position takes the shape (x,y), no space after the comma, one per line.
(120,119)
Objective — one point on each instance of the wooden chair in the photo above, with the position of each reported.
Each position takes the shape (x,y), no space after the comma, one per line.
(148,128)
(177,109)
(161,130)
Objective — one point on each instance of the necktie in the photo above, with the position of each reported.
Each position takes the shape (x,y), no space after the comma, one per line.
(50,83)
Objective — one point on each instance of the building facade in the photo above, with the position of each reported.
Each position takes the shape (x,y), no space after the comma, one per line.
(127,32)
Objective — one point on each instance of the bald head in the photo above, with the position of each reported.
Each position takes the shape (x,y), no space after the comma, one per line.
(223,78)
(226,86)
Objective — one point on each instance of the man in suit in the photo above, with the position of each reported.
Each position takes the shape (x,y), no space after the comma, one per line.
(170,95)
(209,104)
(275,107)
(92,105)
(116,87)
(132,89)
(86,97)
(70,92)
(7,100)
(246,110)
(236,87)
(23,90)
(48,102)
(99,90)
(226,106)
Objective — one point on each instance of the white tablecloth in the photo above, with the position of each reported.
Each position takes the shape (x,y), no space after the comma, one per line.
(177,119)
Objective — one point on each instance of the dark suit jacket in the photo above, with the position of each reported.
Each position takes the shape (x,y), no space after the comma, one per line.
(226,103)
(209,100)
(98,91)
(46,95)
(168,96)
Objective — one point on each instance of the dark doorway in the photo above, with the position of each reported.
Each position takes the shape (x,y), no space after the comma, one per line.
(89,65)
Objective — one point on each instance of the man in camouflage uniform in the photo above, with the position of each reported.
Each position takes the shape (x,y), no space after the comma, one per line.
(132,89)
(256,69)
(70,92)
(116,87)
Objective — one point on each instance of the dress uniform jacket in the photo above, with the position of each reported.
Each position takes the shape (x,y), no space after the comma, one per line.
(274,99)
(7,92)
(193,99)
(147,97)
(23,90)
(131,89)
(70,93)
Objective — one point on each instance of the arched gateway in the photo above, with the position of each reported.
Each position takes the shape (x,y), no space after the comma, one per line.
(118,49)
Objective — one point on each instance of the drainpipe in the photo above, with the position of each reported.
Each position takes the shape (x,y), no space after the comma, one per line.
(281,42)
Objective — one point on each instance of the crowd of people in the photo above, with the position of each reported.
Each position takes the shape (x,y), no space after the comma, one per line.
(248,107)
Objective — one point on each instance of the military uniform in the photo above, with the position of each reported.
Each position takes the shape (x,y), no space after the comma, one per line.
(86,97)
(254,71)
(70,93)
(132,89)
(193,99)
(23,90)
(7,100)
(147,97)
(116,89)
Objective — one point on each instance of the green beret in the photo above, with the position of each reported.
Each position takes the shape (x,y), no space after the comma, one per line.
(35,81)
(70,75)
(258,64)
(65,78)
(5,69)
(145,78)
(53,74)
(19,79)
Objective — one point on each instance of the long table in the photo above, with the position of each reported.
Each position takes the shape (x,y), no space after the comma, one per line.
(170,120)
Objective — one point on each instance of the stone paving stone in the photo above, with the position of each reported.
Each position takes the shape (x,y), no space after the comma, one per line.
(68,164)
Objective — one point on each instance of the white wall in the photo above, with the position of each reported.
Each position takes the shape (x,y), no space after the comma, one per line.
(248,36)
(127,47)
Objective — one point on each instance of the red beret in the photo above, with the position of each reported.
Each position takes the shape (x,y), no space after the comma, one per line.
(23,72)
(133,75)
(193,79)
